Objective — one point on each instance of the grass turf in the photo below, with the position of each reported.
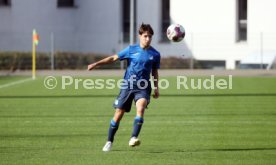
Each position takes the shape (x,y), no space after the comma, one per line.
(42,126)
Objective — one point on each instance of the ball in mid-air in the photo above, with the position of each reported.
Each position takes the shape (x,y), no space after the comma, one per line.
(175,32)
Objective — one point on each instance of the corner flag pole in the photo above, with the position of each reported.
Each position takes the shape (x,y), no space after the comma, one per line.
(35,43)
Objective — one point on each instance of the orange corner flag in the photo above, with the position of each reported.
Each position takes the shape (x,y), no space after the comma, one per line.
(35,37)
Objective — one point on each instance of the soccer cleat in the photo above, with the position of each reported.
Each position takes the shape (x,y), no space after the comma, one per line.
(134,142)
(107,147)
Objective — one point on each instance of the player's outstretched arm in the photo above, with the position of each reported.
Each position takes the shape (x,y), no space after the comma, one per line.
(106,60)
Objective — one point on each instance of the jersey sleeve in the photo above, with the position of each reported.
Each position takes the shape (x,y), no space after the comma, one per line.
(124,54)
(156,63)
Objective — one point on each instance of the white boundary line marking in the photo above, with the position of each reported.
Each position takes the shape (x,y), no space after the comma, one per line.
(15,83)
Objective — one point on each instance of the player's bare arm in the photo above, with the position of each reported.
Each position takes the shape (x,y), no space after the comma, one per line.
(155,83)
(106,60)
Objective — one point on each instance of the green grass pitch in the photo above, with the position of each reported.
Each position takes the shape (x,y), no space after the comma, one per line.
(42,126)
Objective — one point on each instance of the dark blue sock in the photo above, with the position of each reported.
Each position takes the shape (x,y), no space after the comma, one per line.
(137,125)
(112,130)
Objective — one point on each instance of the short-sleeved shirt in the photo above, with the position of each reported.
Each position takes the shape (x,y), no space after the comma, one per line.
(140,61)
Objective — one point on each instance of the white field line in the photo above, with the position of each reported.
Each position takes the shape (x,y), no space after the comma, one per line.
(15,83)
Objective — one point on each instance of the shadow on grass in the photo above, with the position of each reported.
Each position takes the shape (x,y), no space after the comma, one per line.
(216,150)
(115,95)
(46,135)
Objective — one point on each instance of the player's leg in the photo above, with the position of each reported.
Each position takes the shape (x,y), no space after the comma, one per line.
(141,105)
(114,125)
(122,104)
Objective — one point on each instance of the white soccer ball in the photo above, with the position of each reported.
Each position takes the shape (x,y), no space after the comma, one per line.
(175,32)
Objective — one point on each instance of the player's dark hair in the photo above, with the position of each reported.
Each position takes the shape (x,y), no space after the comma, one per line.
(145,28)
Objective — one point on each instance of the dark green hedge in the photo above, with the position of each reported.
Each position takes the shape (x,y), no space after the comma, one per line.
(63,60)
(69,60)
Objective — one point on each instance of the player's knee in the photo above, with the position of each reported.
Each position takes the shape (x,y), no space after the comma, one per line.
(120,112)
(141,108)
(141,102)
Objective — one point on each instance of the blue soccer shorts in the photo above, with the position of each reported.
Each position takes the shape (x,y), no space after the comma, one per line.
(126,97)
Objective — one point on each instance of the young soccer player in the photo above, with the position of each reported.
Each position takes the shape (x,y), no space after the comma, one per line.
(142,60)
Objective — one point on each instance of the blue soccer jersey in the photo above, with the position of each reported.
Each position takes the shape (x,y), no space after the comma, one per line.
(140,61)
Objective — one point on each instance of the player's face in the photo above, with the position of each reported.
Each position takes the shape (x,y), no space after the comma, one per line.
(145,39)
